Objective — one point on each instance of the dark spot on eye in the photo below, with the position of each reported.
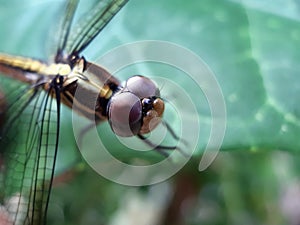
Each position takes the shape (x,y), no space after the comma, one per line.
(135,118)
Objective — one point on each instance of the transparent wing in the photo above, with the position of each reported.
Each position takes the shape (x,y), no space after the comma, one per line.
(29,142)
(66,26)
(95,21)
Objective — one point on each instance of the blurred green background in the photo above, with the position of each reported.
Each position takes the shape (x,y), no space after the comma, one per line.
(252,47)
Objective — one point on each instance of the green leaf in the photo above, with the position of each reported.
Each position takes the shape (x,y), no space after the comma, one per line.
(251,50)
(251,46)
(253,53)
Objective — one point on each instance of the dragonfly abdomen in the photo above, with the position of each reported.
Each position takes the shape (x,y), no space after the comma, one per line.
(30,70)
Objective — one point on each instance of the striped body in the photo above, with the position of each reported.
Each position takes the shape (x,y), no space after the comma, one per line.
(87,87)
(30,115)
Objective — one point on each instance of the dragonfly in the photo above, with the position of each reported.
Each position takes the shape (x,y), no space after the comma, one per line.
(31,113)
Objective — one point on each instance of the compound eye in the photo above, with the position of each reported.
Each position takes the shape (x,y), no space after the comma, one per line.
(142,87)
(125,114)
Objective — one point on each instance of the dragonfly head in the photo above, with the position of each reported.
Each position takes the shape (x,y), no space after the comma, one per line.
(136,109)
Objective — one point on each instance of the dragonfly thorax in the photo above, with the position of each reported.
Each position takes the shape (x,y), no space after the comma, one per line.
(57,69)
(136,109)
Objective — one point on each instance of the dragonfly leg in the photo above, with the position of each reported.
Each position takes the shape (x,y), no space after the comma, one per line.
(162,149)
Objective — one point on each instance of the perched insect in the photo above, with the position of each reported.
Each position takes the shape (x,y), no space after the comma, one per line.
(34,111)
